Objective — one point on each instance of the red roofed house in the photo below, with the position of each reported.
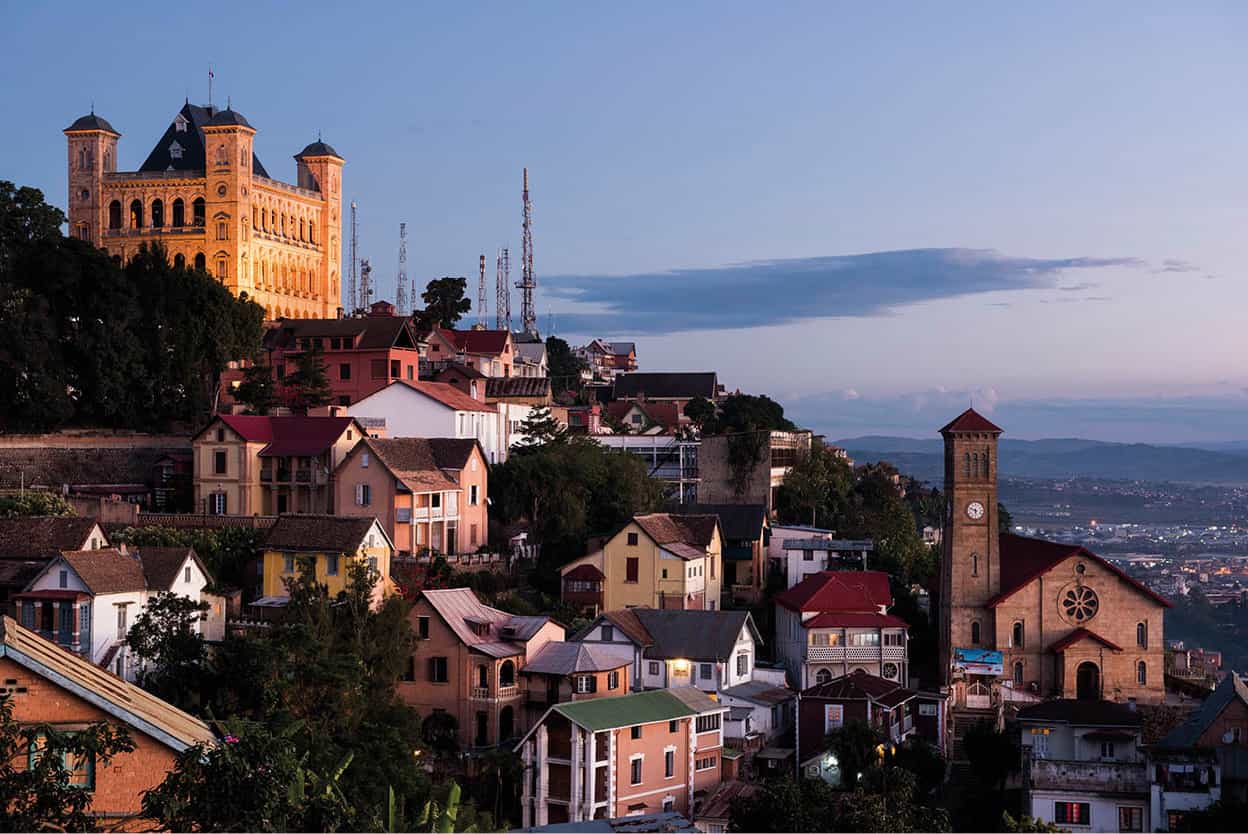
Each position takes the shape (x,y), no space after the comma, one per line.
(1024,619)
(489,351)
(434,409)
(833,623)
(255,465)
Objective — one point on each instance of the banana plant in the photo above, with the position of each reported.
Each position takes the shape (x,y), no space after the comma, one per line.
(440,818)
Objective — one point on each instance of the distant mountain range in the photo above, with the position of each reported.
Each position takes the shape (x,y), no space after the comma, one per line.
(1220,463)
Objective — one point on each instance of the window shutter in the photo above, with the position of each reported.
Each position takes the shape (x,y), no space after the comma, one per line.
(432,676)
(359,495)
(593,683)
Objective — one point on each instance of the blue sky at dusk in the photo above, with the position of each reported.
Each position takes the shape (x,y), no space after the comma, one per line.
(874,213)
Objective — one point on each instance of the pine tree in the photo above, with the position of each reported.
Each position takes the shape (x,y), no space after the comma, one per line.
(309,384)
(257,390)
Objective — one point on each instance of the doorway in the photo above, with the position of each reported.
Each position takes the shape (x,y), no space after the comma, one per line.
(1088,682)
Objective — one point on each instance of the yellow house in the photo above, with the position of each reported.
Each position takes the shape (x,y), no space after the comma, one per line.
(332,542)
(659,560)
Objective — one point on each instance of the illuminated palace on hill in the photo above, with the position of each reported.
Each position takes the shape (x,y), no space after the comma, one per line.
(203,193)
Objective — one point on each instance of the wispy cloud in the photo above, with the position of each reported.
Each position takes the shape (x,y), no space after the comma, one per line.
(1174,265)
(1086,285)
(781,291)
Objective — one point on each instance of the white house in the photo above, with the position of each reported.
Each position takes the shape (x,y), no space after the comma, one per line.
(86,600)
(406,408)
(1083,768)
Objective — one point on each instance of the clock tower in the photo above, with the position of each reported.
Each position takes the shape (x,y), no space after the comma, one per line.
(970,568)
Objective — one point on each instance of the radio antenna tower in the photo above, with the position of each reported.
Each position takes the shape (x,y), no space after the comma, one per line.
(400,293)
(502,292)
(353,286)
(528,279)
(481,296)
(366,284)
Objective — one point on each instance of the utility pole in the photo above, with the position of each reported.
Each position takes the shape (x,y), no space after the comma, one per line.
(528,278)
(502,292)
(353,287)
(400,293)
(481,296)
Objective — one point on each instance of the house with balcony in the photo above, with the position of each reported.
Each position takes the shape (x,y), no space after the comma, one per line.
(562,672)
(605,758)
(835,622)
(85,601)
(1083,766)
(263,465)
(330,543)
(28,543)
(430,494)
(657,560)
(468,662)
(1203,760)
(434,409)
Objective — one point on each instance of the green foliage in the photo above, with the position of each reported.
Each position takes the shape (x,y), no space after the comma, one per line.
(308,387)
(165,637)
(226,551)
(1004,520)
(40,797)
(855,745)
(993,754)
(816,490)
(563,366)
(1220,816)
(747,413)
(445,303)
(786,804)
(257,391)
(31,503)
(700,411)
(890,802)
(540,427)
(1025,823)
(924,761)
(568,492)
(255,780)
(90,343)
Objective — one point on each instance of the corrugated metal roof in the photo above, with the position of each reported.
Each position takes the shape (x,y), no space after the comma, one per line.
(459,607)
(569,658)
(626,710)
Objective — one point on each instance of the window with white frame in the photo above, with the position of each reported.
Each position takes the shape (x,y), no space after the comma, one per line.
(634,768)
(669,763)
(654,667)
(743,664)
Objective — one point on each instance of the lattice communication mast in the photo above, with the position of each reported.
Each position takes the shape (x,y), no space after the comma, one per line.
(353,287)
(366,284)
(400,292)
(502,291)
(481,296)
(528,278)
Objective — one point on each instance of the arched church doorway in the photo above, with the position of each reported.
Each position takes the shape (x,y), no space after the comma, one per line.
(1088,682)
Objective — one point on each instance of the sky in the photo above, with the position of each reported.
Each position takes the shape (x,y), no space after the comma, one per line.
(875,213)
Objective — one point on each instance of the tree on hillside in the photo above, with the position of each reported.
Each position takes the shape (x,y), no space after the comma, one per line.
(309,385)
(257,391)
(40,763)
(700,411)
(877,511)
(34,503)
(786,804)
(563,366)
(748,413)
(540,428)
(816,489)
(225,551)
(165,637)
(445,303)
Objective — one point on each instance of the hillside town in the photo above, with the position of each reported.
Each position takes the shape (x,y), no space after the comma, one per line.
(273,560)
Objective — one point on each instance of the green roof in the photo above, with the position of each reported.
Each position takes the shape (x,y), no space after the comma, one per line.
(625,710)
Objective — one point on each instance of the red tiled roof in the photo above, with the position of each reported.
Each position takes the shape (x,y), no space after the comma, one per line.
(289,436)
(855,619)
(447,394)
(587,573)
(477,341)
(1024,559)
(1083,634)
(856,686)
(668,528)
(839,591)
(970,420)
(665,414)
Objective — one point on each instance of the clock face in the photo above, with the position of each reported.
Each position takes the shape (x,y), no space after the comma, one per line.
(975,510)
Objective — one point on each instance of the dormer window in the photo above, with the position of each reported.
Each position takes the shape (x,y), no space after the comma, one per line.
(175,150)
(179,124)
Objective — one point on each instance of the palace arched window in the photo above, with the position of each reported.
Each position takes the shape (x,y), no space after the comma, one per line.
(108,161)
(179,261)
(507,674)
(1016,635)
(158,213)
(223,155)
(1141,635)
(974,564)
(301,236)
(136,214)
(823,676)
(311,232)
(985,463)
(242,157)
(84,195)
(114,214)
(966,464)
(82,159)
(179,213)
(201,263)
(1141,673)
(221,268)
(975,635)
(197,211)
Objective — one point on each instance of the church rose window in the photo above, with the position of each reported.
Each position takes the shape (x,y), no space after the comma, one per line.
(1080,604)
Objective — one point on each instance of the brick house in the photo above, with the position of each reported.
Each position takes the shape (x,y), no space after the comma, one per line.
(614,757)
(467,664)
(48,685)
(85,601)
(657,560)
(429,493)
(261,465)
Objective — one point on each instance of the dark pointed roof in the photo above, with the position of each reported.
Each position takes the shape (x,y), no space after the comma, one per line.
(92,122)
(191,142)
(318,148)
(1023,559)
(970,420)
(227,117)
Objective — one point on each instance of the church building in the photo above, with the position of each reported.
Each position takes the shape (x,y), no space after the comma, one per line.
(1024,619)
(204,195)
